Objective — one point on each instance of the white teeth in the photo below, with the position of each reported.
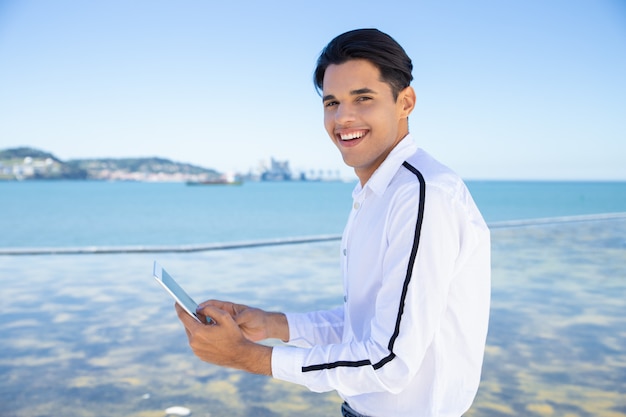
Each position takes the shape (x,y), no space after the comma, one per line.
(350,136)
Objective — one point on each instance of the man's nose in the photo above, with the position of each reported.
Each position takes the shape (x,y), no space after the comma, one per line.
(345,114)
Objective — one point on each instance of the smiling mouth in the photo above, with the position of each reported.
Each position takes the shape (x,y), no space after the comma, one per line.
(358,134)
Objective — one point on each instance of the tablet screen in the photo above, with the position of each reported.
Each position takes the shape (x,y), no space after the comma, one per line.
(175,290)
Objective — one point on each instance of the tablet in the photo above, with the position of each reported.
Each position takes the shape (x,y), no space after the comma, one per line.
(176,291)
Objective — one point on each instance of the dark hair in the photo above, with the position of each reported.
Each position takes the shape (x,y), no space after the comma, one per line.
(374,46)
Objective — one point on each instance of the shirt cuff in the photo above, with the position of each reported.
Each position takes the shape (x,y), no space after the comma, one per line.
(298,330)
(287,363)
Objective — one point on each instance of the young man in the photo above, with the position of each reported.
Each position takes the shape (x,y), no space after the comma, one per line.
(415,254)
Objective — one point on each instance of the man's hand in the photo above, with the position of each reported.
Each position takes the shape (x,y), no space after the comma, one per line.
(223,342)
(255,324)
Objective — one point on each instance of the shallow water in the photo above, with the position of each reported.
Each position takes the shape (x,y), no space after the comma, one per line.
(94,335)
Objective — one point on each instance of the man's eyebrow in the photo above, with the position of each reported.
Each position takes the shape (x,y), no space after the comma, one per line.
(357,92)
(364,90)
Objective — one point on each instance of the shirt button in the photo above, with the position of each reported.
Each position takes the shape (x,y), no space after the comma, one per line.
(345,251)
(357,205)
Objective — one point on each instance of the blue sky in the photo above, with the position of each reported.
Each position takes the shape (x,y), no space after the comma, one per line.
(506,89)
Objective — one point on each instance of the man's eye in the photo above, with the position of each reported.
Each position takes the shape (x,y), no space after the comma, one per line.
(330,104)
(363,98)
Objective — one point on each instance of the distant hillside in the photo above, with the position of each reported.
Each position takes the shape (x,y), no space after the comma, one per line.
(97,167)
(29,163)
(25,152)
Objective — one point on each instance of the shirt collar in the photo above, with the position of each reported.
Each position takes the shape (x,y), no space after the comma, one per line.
(381,178)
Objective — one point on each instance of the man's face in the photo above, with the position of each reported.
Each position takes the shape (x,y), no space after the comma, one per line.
(361,116)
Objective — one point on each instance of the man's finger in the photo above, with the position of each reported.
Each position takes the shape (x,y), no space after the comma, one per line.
(224,305)
(217,314)
(227,306)
(187,320)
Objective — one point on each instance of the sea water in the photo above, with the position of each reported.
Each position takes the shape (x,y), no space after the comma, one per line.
(132,213)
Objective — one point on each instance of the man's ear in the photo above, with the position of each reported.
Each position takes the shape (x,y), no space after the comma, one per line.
(406,101)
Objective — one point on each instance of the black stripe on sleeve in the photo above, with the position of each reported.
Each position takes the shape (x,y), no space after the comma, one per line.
(347,364)
(405,287)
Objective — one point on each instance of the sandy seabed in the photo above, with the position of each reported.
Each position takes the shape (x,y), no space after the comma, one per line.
(94,335)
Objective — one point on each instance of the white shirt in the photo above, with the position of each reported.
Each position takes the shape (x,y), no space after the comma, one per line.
(409,339)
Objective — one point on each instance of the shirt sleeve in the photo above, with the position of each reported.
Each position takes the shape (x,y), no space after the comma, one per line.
(420,262)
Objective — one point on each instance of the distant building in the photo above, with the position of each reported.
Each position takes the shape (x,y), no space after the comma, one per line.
(278,171)
(281,171)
